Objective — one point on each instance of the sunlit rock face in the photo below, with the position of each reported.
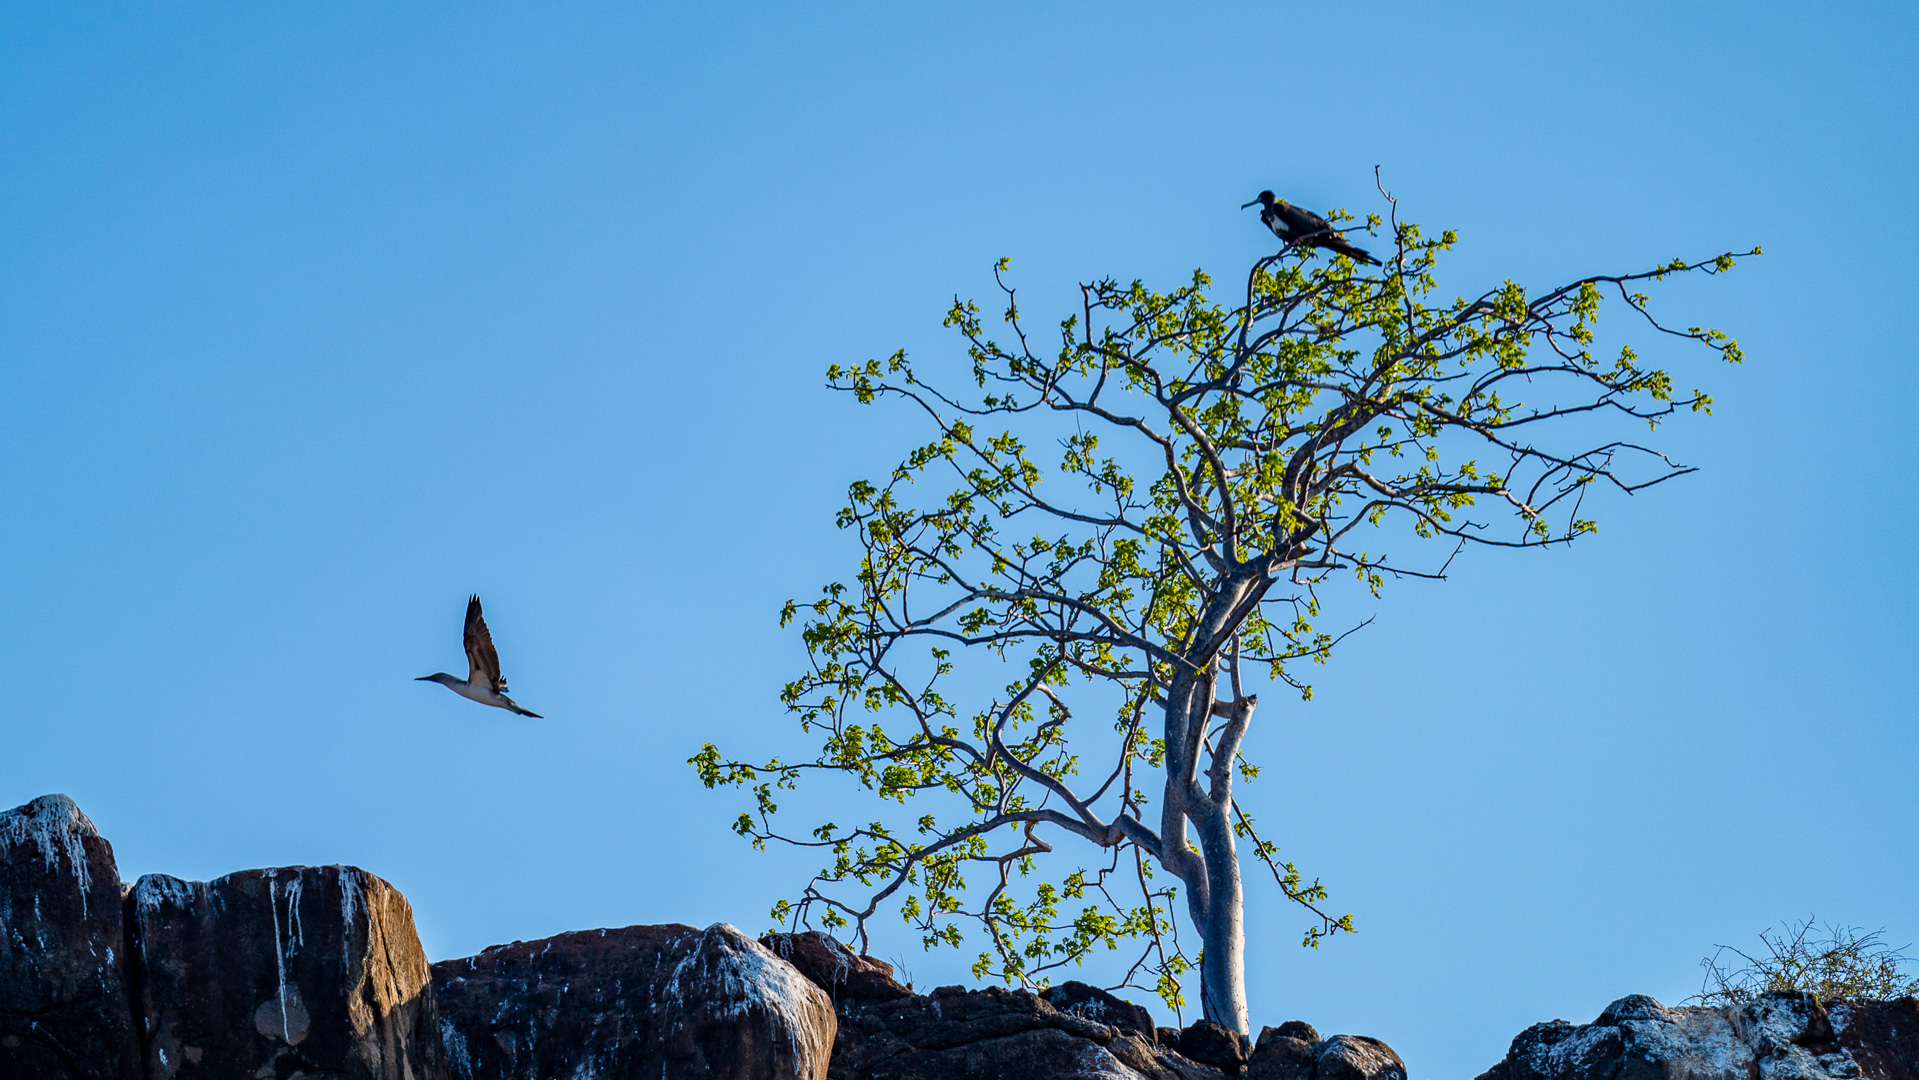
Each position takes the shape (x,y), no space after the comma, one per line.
(64,1010)
(296,971)
(1783,1036)
(659,1002)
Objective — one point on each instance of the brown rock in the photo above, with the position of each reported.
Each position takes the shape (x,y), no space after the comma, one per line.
(659,1002)
(1291,1029)
(271,973)
(835,968)
(64,1008)
(1092,1003)
(1282,1057)
(995,1034)
(1881,1038)
(1213,1044)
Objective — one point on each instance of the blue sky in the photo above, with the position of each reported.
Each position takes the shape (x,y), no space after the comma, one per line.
(314,319)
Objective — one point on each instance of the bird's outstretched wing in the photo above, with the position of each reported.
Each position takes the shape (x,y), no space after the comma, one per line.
(483,663)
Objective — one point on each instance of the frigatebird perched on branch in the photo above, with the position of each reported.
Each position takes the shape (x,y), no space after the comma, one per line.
(1297,226)
(483,682)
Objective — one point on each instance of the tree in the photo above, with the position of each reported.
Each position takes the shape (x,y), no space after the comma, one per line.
(1258,450)
(1836,963)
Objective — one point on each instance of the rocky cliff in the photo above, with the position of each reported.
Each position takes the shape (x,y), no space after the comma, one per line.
(316,973)
(299,969)
(63,954)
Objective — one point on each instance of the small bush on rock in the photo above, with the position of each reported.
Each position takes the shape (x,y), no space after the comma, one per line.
(1833,962)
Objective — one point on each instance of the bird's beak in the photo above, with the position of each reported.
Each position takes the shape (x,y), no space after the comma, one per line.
(424,678)
(1244,205)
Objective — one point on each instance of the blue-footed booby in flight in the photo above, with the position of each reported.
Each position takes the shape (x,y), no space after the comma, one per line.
(483,682)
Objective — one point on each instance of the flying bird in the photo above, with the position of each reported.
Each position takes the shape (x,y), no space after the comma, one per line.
(1297,226)
(483,682)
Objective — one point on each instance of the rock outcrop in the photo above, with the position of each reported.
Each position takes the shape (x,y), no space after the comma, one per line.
(316,973)
(1294,1051)
(660,1002)
(1214,1044)
(1356,1057)
(64,1009)
(1881,1037)
(303,970)
(836,969)
(1782,1036)
(1068,1032)
(992,1034)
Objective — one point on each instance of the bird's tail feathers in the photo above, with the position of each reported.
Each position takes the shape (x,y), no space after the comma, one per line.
(1346,247)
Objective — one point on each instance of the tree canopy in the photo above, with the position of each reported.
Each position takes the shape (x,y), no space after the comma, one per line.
(1068,596)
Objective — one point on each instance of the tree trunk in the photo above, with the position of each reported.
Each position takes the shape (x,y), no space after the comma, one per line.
(1222,971)
(1214,897)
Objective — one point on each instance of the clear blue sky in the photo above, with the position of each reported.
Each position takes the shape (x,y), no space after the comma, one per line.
(316,318)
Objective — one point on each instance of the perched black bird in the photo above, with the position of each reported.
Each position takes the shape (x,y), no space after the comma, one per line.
(1296,226)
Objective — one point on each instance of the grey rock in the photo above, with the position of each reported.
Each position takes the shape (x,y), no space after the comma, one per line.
(1695,1043)
(1357,1057)
(1634,1007)
(1780,1036)
(1773,1022)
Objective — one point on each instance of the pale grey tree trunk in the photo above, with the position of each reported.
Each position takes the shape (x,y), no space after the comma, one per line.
(1214,894)
(1222,970)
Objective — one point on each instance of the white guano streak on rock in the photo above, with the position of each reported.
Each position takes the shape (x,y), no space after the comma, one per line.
(152,892)
(1698,1042)
(352,899)
(55,824)
(1555,1059)
(279,958)
(751,977)
(1100,1062)
(456,1052)
(295,936)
